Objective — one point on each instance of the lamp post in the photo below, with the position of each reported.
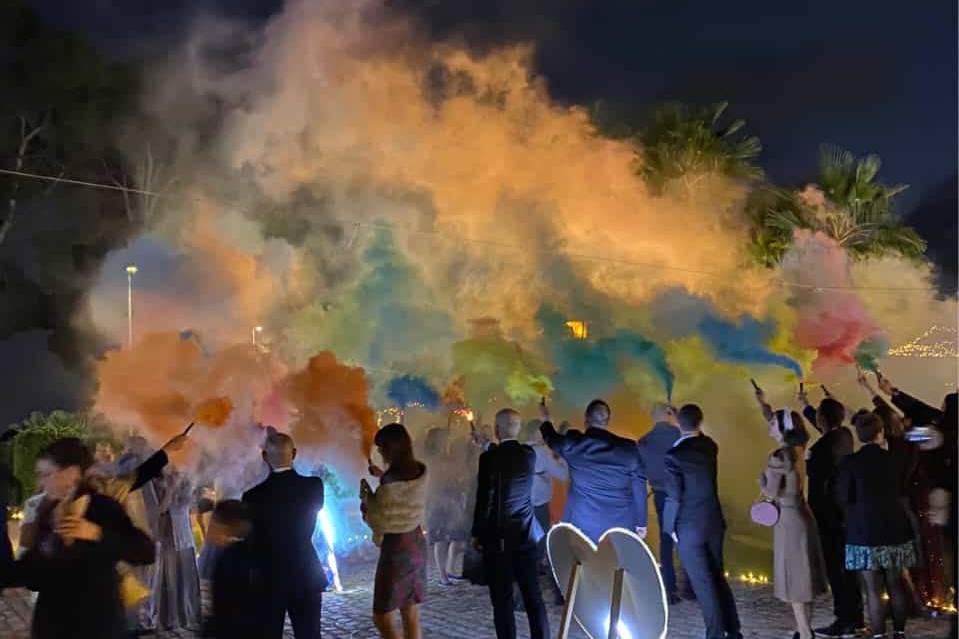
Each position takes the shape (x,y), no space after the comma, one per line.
(256,329)
(131,271)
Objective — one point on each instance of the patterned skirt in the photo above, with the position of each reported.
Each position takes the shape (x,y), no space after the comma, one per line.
(401,571)
(877,557)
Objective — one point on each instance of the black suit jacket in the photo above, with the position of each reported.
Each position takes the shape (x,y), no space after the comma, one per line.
(79,593)
(692,495)
(822,468)
(503,516)
(653,447)
(869,488)
(284,509)
(607,488)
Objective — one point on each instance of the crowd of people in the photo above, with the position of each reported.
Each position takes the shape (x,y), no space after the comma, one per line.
(877,519)
(110,545)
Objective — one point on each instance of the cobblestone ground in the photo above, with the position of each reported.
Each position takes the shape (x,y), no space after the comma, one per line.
(462,611)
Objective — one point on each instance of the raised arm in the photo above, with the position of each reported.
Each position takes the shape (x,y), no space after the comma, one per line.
(556,442)
(919,412)
(807,409)
(763,404)
(150,469)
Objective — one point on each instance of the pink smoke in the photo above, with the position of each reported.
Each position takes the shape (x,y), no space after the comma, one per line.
(832,318)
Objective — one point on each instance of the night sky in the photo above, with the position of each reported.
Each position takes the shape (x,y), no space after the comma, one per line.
(871,76)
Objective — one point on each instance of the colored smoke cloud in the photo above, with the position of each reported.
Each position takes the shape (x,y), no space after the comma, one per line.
(745,342)
(409,390)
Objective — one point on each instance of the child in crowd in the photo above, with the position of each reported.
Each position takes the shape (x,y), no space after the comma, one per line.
(232,598)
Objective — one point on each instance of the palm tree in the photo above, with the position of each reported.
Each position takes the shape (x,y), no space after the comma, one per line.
(846,203)
(685,145)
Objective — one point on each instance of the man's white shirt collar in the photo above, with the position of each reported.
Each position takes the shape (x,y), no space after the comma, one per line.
(686,436)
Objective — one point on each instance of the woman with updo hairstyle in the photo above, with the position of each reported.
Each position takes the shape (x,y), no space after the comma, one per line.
(72,564)
(395,513)
(799,569)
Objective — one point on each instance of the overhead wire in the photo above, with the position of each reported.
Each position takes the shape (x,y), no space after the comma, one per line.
(487,242)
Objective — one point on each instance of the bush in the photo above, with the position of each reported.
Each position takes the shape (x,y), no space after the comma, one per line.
(40,430)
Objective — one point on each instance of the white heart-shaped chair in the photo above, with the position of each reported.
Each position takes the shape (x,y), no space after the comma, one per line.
(643,611)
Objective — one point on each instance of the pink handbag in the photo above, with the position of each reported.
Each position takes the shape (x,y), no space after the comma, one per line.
(764,513)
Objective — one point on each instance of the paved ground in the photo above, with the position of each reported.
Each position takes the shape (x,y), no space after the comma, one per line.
(462,611)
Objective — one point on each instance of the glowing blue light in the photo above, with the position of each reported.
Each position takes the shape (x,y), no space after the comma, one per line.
(326,525)
(329,535)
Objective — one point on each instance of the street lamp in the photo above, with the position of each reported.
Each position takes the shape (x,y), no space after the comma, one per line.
(256,329)
(131,271)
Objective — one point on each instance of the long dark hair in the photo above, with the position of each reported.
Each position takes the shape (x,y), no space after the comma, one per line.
(797,436)
(395,438)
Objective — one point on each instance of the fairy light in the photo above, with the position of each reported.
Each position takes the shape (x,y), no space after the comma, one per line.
(753,578)
(942,348)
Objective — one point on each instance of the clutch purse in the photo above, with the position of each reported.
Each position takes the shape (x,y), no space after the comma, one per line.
(764,513)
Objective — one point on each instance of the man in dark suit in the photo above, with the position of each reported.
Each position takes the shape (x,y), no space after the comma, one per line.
(607,488)
(694,518)
(289,576)
(822,468)
(653,447)
(506,531)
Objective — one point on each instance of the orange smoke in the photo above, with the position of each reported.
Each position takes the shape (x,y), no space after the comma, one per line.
(331,401)
(149,386)
(166,380)
(214,411)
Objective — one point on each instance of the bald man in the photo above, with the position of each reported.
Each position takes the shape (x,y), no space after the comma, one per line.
(653,447)
(289,576)
(505,529)
(607,487)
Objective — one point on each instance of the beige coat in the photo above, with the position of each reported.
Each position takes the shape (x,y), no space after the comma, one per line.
(799,572)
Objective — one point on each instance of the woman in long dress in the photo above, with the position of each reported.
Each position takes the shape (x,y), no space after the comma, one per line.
(445,504)
(799,569)
(176,582)
(395,512)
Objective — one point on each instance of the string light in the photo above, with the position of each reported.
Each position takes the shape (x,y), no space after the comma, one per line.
(939,349)
(818,288)
(754,579)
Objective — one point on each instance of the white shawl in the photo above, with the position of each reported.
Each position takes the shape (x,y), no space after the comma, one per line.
(397,507)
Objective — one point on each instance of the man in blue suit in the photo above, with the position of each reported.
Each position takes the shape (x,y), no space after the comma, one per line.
(653,447)
(607,488)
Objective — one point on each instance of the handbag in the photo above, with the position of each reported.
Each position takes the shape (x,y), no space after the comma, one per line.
(764,512)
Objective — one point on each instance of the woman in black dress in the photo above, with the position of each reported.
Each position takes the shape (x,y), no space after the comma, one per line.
(80,537)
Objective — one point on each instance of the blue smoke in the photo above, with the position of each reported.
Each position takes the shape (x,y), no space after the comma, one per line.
(409,390)
(744,342)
